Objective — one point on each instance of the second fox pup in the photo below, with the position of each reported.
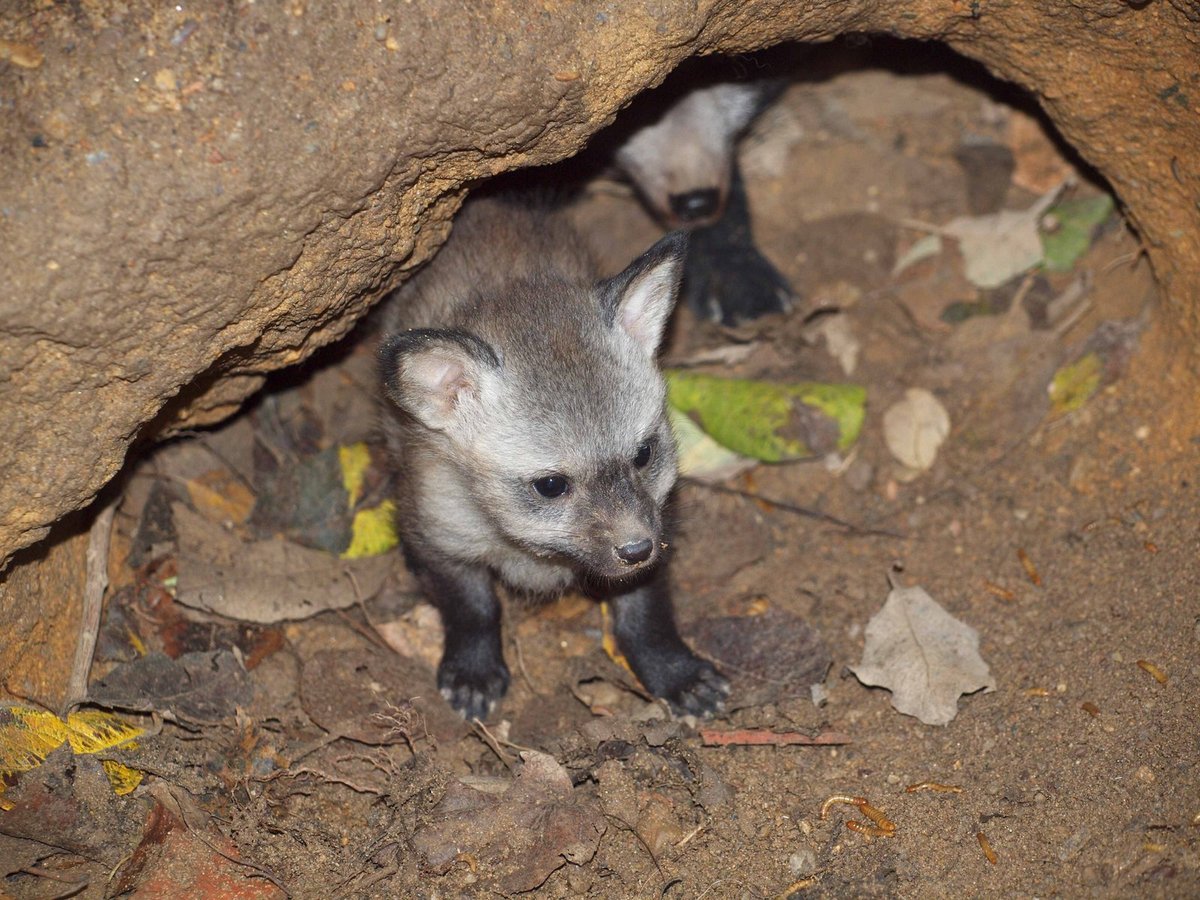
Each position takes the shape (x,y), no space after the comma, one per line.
(528,432)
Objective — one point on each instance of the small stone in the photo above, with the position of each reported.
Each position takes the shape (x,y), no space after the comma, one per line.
(164,80)
(859,475)
(803,862)
(26,56)
(579,881)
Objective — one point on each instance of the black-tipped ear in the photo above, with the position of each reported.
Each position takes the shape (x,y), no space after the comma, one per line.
(437,375)
(641,298)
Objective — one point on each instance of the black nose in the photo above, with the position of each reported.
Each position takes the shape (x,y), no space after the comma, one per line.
(695,206)
(635,551)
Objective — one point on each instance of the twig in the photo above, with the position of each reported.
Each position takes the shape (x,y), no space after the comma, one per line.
(312,747)
(641,840)
(516,642)
(805,511)
(326,778)
(750,737)
(691,834)
(703,893)
(52,876)
(372,879)
(99,538)
(493,743)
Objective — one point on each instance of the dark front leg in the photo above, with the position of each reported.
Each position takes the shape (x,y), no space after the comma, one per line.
(472,675)
(726,277)
(644,625)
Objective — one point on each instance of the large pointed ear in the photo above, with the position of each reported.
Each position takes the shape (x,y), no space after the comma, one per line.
(437,376)
(641,298)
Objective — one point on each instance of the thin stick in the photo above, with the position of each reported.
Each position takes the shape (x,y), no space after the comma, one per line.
(372,879)
(801,511)
(492,742)
(99,538)
(750,737)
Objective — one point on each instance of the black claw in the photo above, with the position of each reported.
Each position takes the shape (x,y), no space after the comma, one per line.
(701,692)
(472,693)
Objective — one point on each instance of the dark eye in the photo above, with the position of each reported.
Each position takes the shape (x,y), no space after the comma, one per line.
(644,455)
(552,486)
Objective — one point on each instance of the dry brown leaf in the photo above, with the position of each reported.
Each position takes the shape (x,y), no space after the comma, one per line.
(266,581)
(520,831)
(923,655)
(220,497)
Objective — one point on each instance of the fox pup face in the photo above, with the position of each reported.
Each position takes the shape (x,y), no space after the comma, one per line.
(681,163)
(551,410)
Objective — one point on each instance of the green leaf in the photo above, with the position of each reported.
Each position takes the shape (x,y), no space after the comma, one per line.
(770,422)
(1077,220)
(699,455)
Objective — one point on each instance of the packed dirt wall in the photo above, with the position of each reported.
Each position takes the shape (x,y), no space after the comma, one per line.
(196,195)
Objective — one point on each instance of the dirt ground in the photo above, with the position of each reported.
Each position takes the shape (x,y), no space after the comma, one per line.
(330,767)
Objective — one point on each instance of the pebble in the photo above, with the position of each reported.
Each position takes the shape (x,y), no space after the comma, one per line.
(803,862)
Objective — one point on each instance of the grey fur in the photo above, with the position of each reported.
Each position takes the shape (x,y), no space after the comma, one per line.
(509,361)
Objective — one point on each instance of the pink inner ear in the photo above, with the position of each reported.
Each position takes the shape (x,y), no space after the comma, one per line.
(646,306)
(443,377)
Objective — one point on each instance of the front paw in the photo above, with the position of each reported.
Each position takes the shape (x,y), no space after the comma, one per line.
(733,284)
(472,684)
(691,686)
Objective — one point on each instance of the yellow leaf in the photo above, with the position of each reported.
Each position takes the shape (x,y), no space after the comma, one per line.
(122,778)
(355,459)
(1074,384)
(136,642)
(93,730)
(374,531)
(220,497)
(27,737)
(609,641)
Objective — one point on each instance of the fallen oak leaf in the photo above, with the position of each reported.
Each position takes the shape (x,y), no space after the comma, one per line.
(923,655)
